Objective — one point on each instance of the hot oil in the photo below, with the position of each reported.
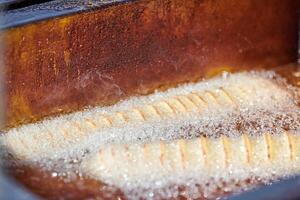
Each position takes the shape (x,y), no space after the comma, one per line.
(64,175)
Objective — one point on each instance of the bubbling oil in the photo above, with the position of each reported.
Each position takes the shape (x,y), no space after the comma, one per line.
(197,140)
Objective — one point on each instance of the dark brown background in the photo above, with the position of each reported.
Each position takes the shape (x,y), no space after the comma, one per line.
(104,55)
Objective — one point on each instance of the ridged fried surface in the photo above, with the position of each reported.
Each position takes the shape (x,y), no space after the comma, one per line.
(51,137)
(192,149)
(221,158)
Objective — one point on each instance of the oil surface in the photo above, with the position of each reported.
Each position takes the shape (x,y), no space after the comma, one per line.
(53,184)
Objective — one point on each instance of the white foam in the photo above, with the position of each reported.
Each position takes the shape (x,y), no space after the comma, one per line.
(251,103)
(74,134)
(142,167)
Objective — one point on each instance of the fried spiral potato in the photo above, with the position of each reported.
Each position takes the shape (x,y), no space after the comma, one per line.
(48,138)
(205,157)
